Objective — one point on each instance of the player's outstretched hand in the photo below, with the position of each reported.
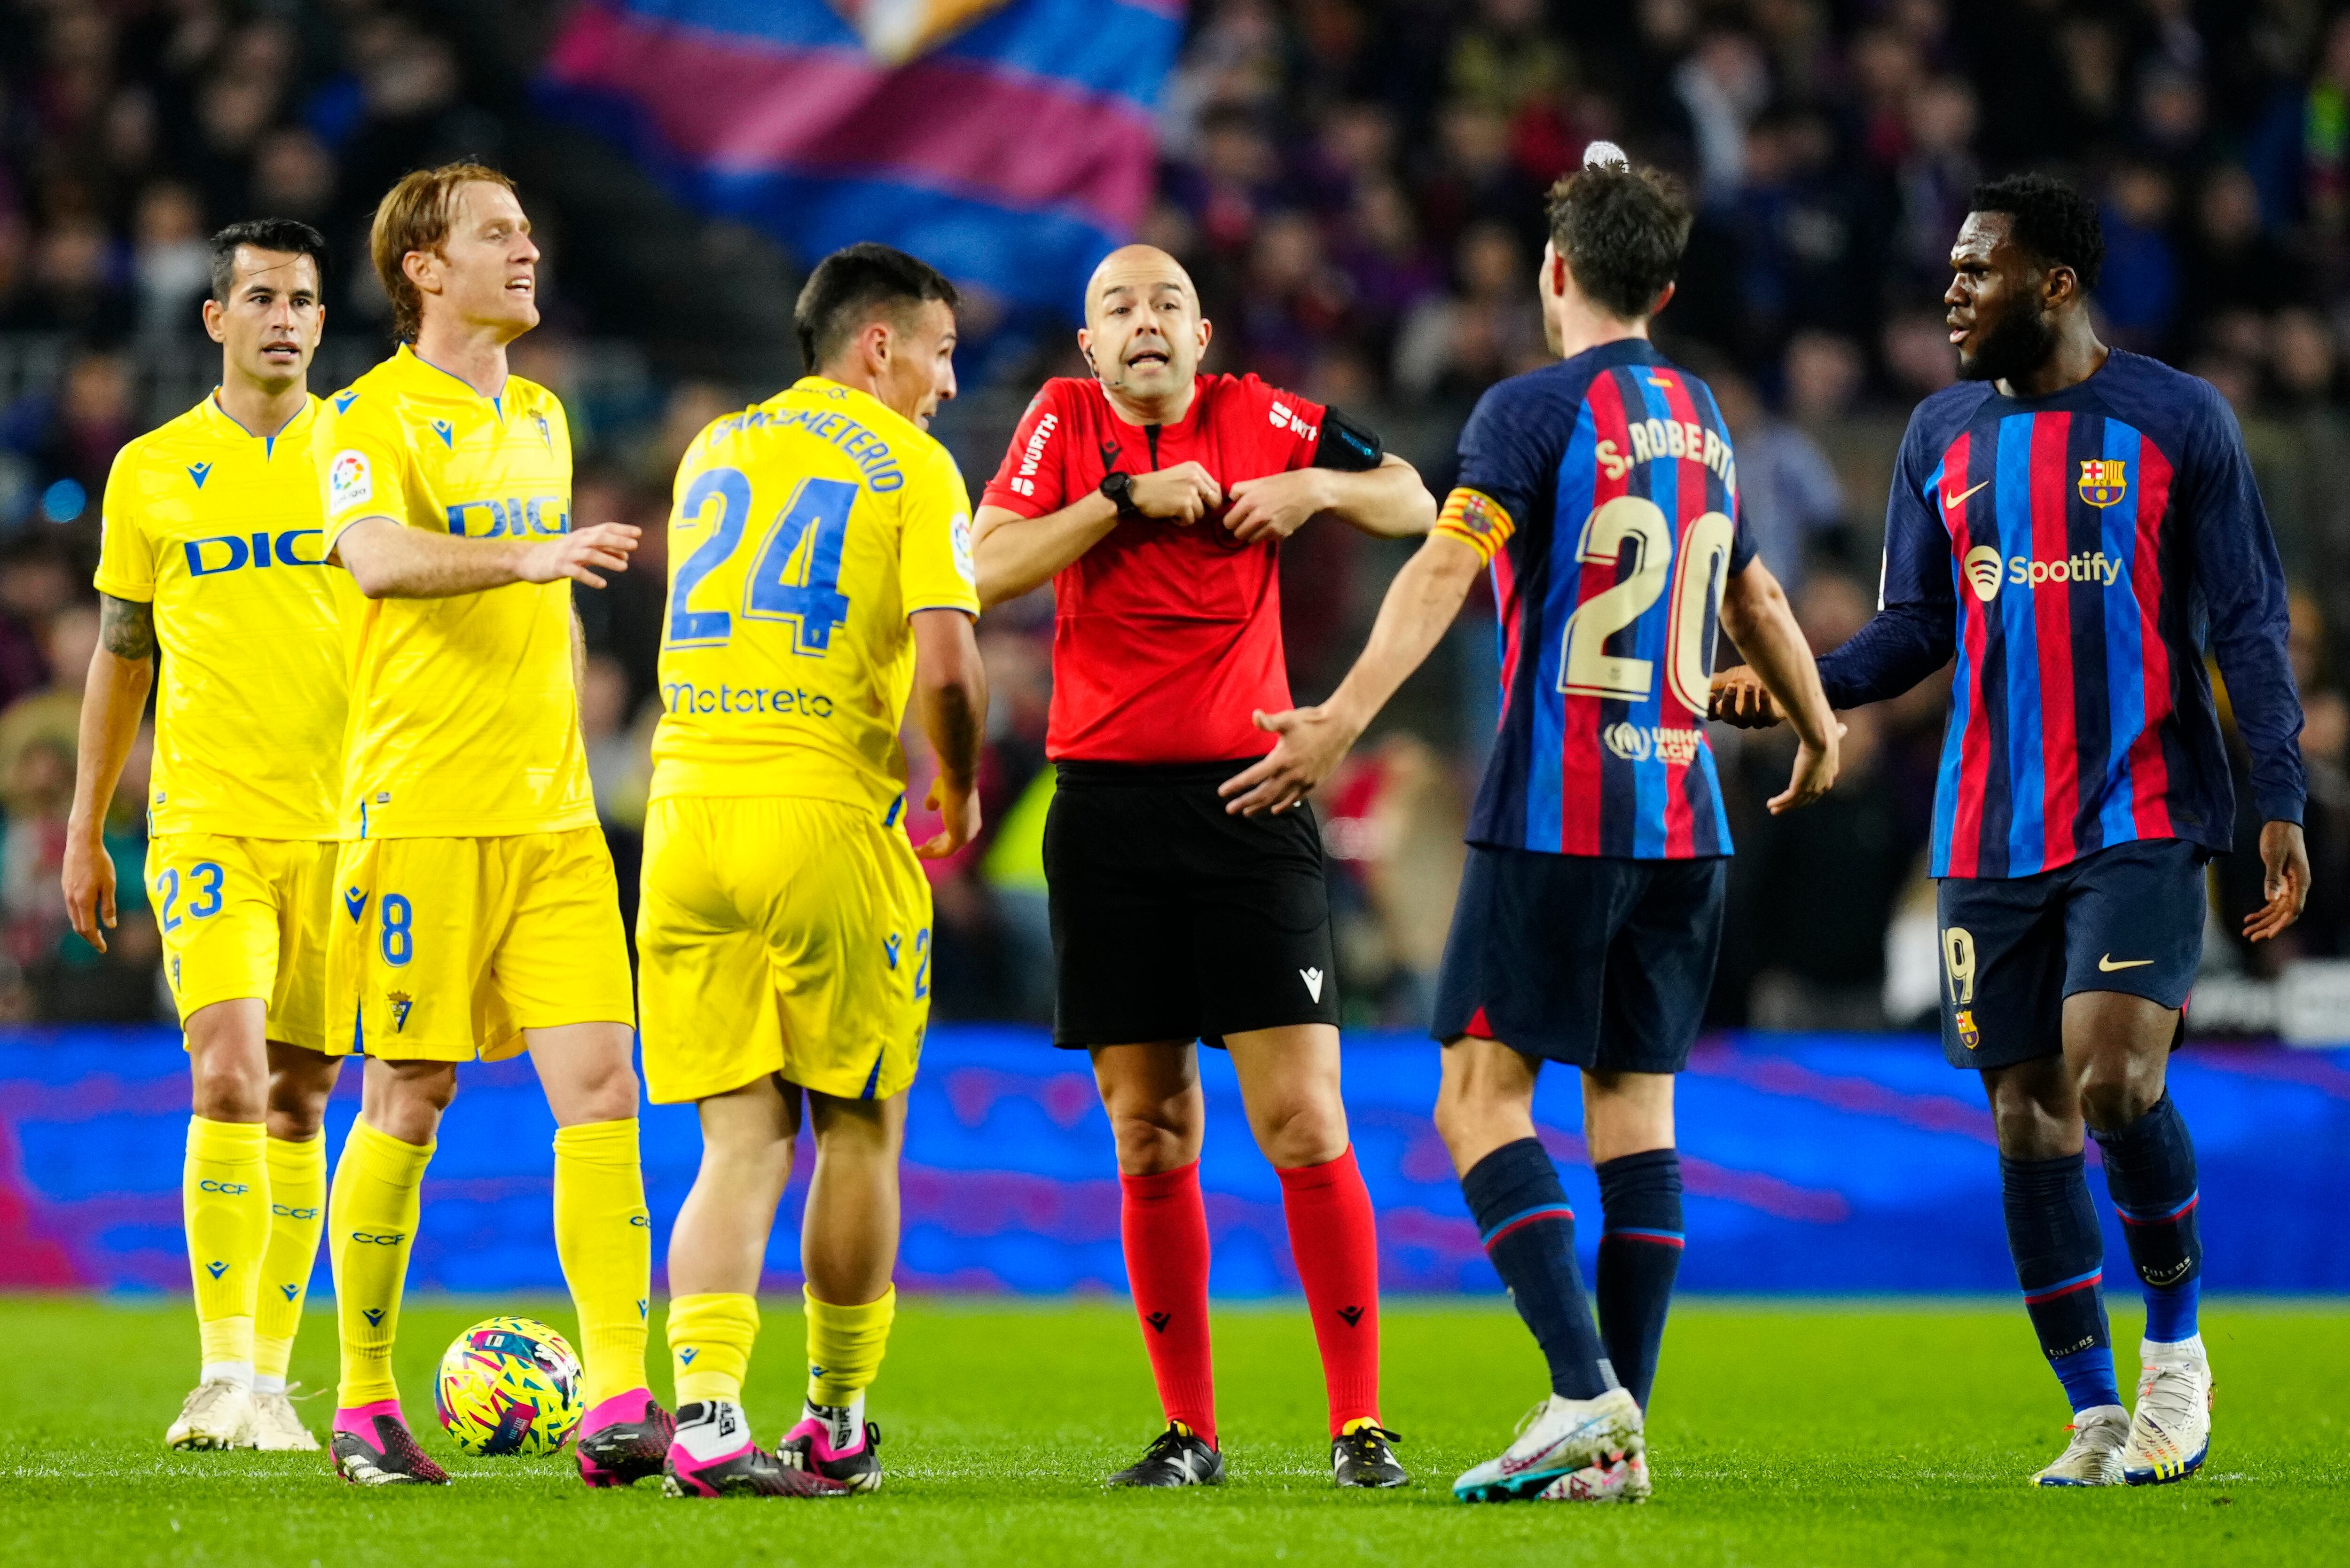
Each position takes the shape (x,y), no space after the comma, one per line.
(1277,506)
(1311,742)
(1741,700)
(957,803)
(89,888)
(579,554)
(1813,776)
(2285,853)
(1181,495)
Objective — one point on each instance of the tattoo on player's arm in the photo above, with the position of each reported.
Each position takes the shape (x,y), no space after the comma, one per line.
(126,627)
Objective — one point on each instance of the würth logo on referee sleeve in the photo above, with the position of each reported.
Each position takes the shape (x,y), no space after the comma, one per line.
(1032,456)
(1313,979)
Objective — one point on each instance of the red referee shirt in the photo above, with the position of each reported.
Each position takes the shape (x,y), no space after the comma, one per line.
(1165,637)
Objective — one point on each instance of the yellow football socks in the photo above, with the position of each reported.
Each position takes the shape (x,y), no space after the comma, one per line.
(844,1346)
(710,1339)
(225,1191)
(604,1236)
(372,1221)
(298,1212)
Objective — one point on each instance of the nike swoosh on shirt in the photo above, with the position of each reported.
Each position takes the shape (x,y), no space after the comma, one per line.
(2107,965)
(1953,502)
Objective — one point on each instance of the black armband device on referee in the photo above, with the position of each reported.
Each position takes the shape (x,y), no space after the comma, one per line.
(1346,446)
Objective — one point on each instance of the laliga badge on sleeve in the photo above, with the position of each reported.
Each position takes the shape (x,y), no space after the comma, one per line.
(350,480)
(959,531)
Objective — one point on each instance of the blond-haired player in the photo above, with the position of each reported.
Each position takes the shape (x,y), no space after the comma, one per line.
(211,554)
(477,910)
(820,575)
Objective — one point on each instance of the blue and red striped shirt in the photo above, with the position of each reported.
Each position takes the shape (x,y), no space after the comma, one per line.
(2076,553)
(1603,492)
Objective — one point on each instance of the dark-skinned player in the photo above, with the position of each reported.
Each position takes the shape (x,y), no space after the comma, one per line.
(2077,524)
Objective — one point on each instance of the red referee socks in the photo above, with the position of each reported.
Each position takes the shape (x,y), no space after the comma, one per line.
(1336,1243)
(1164,1224)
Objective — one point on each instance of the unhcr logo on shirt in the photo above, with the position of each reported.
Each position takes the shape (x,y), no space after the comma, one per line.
(1638,742)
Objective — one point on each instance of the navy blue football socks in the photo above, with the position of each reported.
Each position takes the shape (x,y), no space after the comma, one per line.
(1640,1254)
(2052,1230)
(1529,1232)
(2150,1175)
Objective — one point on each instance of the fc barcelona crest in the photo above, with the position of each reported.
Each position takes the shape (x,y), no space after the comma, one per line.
(2103,480)
(1968,1036)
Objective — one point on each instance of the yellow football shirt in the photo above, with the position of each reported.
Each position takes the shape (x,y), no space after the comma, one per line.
(465,717)
(805,530)
(219,530)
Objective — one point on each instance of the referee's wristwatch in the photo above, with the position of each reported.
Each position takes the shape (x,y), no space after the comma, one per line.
(1120,487)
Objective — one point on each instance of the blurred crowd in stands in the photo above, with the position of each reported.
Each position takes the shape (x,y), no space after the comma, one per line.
(1357,187)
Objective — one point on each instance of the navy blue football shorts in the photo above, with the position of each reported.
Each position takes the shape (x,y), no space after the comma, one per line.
(2128,918)
(1599,962)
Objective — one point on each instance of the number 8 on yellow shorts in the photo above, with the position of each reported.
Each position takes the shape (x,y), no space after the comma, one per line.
(780,935)
(446,949)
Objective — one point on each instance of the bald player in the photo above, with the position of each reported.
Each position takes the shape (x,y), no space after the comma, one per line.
(1154,499)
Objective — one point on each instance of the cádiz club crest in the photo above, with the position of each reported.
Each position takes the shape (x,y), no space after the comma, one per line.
(2103,480)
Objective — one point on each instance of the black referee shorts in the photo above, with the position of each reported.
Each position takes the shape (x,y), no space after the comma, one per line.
(1173,920)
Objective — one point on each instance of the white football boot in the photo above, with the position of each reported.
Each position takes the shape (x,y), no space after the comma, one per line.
(1624,1480)
(277,1426)
(2094,1456)
(2171,1430)
(1559,1437)
(218,1415)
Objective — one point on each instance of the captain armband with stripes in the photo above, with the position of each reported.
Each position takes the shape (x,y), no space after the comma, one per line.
(1477,520)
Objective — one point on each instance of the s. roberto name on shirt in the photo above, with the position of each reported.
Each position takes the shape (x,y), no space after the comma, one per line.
(775,701)
(1654,440)
(1669,438)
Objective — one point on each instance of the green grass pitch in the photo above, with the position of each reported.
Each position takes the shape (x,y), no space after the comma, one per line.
(1870,1433)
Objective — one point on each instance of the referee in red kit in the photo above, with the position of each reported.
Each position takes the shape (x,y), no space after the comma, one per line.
(1155,499)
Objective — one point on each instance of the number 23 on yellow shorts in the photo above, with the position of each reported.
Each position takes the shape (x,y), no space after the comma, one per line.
(245,918)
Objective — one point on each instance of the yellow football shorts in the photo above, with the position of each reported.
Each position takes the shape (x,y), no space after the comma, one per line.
(448,949)
(246,917)
(780,935)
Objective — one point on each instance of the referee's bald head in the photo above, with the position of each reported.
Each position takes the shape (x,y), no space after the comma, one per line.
(1140,270)
(1144,333)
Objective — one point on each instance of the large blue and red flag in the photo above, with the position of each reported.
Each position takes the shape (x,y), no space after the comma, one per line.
(1008,143)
